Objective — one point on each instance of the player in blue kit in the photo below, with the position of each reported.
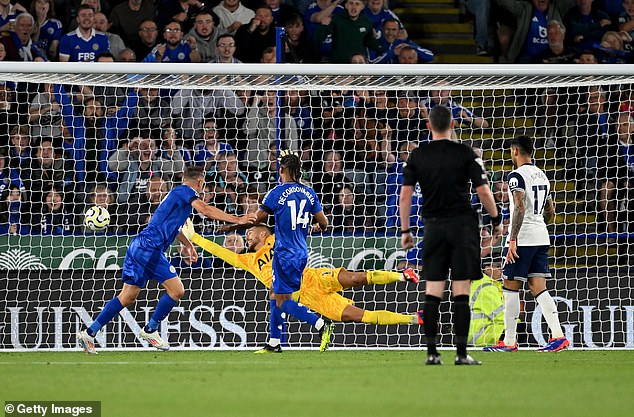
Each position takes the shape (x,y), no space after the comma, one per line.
(145,258)
(292,204)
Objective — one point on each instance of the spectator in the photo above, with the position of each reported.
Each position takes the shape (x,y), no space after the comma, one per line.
(45,171)
(102,25)
(372,139)
(331,176)
(407,120)
(299,49)
(249,202)
(13,221)
(136,214)
(481,10)
(146,109)
(299,110)
(253,38)
(557,52)
(111,97)
(225,48)
(206,153)
(261,128)
(8,175)
(408,55)
(281,12)
(231,181)
(175,49)
(461,115)
(316,12)
(393,186)
(587,57)
(136,163)
(189,107)
(378,13)
(611,50)
(127,17)
(351,32)
(173,156)
(19,45)
(206,34)
(593,130)
(8,12)
(529,39)
(586,25)
(269,56)
(348,215)
(126,55)
(182,11)
(48,30)
(147,38)
(45,114)
(614,163)
(232,15)
(55,218)
(393,45)
(19,148)
(626,18)
(264,176)
(83,44)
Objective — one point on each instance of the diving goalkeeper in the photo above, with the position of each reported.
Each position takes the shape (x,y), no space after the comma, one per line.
(320,286)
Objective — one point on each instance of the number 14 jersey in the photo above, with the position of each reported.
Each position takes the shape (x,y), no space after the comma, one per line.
(536,188)
(292,204)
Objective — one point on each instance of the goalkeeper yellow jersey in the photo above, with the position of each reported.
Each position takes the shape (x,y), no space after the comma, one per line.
(320,286)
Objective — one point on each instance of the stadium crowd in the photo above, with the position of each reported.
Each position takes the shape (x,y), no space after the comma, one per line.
(67,147)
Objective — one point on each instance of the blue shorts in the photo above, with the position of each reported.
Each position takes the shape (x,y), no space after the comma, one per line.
(287,274)
(143,264)
(532,262)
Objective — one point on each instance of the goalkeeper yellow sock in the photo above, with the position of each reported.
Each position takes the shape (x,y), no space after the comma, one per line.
(383,277)
(386,317)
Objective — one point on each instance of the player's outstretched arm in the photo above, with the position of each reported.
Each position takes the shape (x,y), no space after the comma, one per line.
(217,214)
(405,210)
(190,250)
(239,261)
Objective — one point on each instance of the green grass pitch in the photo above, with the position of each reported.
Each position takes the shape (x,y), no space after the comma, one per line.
(336,383)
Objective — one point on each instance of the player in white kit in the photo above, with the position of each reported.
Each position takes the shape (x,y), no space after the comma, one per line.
(526,251)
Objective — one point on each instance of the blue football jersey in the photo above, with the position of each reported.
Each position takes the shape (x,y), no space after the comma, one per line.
(168,218)
(292,204)
(80,49)
(50,31)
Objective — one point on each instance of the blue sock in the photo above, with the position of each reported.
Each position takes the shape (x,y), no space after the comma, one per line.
(163,308)
(276,320)
(111,309)
(299,312)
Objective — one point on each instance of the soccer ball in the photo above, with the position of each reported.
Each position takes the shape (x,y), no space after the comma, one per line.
(96,218)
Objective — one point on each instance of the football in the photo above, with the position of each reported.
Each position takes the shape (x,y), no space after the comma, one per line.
(96,218)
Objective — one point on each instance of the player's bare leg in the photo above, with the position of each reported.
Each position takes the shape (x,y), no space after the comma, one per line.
(174,292)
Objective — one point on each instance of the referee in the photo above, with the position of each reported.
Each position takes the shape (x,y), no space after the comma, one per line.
(443,169)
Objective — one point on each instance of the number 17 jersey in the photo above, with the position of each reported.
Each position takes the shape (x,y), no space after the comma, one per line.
(292,204)
(536,187)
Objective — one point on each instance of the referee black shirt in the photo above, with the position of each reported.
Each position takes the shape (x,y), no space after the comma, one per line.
(443,169)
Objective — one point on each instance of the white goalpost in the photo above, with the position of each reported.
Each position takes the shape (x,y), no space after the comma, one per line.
(118,135)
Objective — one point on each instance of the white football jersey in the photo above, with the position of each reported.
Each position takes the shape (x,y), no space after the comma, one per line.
(536,187)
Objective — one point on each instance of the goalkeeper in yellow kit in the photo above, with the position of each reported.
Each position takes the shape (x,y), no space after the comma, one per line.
(320,286)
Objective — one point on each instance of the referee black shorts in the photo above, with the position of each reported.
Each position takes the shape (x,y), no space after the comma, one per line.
(452,242)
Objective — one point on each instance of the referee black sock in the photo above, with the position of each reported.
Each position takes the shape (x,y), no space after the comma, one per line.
(462,317)
(430,317)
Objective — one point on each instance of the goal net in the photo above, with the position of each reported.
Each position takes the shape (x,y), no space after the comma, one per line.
(119,136)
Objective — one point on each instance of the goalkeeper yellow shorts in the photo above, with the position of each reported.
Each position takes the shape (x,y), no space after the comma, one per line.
(320,292)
